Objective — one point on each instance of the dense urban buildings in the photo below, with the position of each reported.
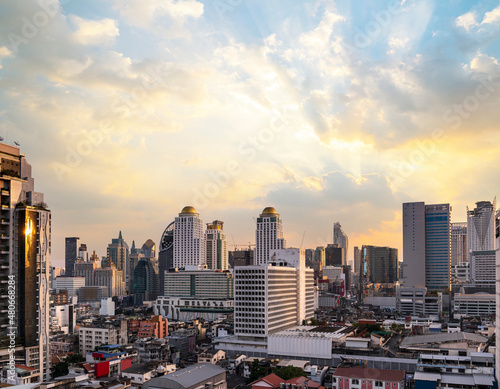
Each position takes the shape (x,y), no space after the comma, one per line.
(117,255)
(381,264)
(166,253)
(268,235)
(71,254)
(459,252)
(189,239)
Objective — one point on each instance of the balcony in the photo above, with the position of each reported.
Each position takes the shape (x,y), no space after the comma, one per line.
(5,221)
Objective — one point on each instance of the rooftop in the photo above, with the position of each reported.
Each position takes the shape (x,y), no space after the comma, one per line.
(442,338)
(363,372)
(185,378)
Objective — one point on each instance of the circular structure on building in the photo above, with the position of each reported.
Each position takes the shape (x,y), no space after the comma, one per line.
(269,211)
(188,209)
(167,239)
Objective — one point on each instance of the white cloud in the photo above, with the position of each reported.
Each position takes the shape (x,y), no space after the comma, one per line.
(467,21)
(492,16)
(94,32)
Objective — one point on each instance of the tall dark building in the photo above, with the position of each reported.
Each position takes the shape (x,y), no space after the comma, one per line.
(145,281)
(24,259)
(71,254)
(334,255)
(381,264)
(241,258)
(166,255)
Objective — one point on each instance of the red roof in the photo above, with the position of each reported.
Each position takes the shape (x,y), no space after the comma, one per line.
(23,367)
(373,374)
(88,367)
(301,381)
(271,379)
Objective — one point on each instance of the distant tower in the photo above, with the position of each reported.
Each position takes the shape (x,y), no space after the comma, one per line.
(268,235)
(357,260)
(118,255)
(216,246)
(189,244)
(340,238)
(71,254)
(134,258)
(166,255)
(459,243)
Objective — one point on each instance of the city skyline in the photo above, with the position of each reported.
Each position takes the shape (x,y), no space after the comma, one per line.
(326,111)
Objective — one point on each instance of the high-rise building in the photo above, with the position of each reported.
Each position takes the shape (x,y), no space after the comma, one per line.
(340,238)
(112,279)
(481,243)
(497,288)
(273,296)
(24,256)
(166,254)
(334,255)
(381,264)
(268,235)
(133,259)
(32,227)
(459,243)
(216,246)
(71,254)
(241,257)
(86,269)
(357,260)
(118,255)
(200,284)
(426,245)
(145,281)
(319,255)
(189,245)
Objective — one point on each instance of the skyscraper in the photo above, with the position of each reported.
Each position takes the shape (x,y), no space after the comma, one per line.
(497,288)
(216,246)
(268,235)
(340,238)
(381,264)
(426,245)
(166,255)
(334,255)
(24,255)
(145,281)
(481,243)
(459,243)
(189,245)
(71,254)
(133,259)
(357,260)
(118,256)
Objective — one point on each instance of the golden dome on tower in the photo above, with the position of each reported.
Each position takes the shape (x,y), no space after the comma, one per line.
(188,209)
(269,211)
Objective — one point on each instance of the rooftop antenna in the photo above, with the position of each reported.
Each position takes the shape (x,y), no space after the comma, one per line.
(303,236)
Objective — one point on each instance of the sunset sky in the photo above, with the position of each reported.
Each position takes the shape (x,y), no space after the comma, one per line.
(329,111)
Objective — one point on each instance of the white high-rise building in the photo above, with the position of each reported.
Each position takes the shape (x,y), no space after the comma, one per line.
(481,227)
(189,239)
(481,243)
(216,246)
(497,314)
(268,235)
(340,238)
(274,296)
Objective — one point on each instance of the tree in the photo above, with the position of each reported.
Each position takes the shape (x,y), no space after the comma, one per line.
(59,369)
(289,372)
(257,371)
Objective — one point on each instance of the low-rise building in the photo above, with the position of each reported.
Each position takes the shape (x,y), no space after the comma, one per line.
(211,356)
(456,343)
(96,335)
(200,375)
(189,308)
(477,304)
(23,375)
(364,378)
(152,349)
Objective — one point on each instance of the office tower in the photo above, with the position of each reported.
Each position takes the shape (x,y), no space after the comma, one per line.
(189,245)
(262,305)
(497,293)
(426,245)
(357,260)
(85,269)
(481,243)
(145,281)
(309,255)
(268,235)
(381,264)
(241,257)
(340,238)
(24,254)
(216,246)
(459,243)
(334,255)
(71,284)
(71,254)
(166,254)
(319,255)
(82,252)
(118,255)
(32,228)
(133,258)
(112,279)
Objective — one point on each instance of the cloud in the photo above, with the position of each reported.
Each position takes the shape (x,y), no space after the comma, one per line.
(467,20)
(492,16)
(94,32)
